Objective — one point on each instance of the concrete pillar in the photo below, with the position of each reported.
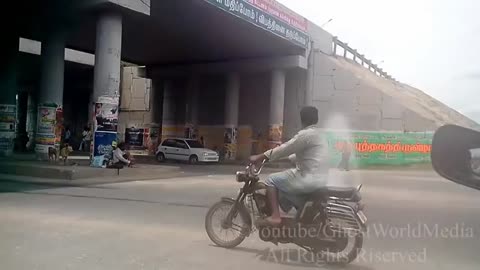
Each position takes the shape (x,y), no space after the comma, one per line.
(193,92)
(156,99)
(90,108)
(169,128)
(106,80)
(32,111)
(8,89)
(156,102)
(310,78)
(334,48)
(22,110)
(277,103)
(232,99)
(108,51)
(50,100)
(52,69)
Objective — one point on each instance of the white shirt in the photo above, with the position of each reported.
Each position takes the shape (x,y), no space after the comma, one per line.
(309,150)
(118,156)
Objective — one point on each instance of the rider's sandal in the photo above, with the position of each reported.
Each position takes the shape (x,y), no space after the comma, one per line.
(265,223)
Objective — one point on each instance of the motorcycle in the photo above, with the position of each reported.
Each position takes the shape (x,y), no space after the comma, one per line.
(329,222)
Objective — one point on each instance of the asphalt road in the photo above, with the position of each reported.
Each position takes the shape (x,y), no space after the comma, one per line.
(416,221)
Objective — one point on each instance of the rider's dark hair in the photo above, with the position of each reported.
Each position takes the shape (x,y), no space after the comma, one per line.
(122,146)
(309,116)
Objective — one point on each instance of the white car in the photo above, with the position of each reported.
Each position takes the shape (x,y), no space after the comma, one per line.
(186,150)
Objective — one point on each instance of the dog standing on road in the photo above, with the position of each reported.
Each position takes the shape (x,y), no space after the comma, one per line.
(52,154)
(65,153)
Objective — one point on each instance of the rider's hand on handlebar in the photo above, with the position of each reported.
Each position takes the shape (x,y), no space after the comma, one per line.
(257,159)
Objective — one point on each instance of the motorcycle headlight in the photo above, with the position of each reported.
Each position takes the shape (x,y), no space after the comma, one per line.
(241,177)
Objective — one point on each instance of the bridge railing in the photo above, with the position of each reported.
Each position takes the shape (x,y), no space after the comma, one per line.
(347,51)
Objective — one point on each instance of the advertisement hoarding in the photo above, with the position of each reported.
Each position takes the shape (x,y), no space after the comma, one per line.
(379,148)
(260,13)
(105,130)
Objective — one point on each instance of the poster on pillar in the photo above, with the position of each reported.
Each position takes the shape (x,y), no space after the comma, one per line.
(144,141)
(7,128)
(46,118)
(230,142)
(275,135)
(46,128)
(105,130)
(191,132)
(152,140)
(106,115)
(168,131)
(134,138)
(58,125)
(103,149)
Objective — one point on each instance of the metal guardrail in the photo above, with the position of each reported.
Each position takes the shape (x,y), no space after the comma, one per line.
(363,61)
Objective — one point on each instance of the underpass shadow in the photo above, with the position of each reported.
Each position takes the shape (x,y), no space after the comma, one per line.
(295,258)
(12,186)
(35,192)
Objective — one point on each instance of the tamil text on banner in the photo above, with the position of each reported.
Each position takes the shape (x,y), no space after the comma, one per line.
(281,12)
(7,128)
(260,13)
(377,148)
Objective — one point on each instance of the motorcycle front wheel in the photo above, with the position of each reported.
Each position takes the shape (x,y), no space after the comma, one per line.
(219,228)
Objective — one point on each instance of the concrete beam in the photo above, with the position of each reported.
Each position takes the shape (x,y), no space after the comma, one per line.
(140,6)
(35,47)
(243,66)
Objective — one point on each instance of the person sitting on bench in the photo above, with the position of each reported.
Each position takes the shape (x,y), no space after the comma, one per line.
(121,157)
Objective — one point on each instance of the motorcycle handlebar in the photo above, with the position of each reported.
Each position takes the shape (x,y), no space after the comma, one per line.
(253,171)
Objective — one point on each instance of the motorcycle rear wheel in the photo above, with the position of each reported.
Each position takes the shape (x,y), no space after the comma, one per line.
(241,215)
(344,255)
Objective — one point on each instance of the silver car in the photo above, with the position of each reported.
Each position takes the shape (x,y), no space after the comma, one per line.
(185,150)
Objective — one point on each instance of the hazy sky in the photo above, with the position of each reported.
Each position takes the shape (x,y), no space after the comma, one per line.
(433,45)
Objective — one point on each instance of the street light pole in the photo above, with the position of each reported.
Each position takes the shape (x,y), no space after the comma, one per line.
(327,22)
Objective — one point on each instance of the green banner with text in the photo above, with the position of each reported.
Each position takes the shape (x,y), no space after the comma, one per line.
(375,148)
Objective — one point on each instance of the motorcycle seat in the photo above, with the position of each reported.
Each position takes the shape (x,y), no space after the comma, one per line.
(339,192)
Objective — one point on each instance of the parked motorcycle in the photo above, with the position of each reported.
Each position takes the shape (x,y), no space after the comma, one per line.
(330,222)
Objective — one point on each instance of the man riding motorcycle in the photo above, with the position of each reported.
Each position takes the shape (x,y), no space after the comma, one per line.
(308,149)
